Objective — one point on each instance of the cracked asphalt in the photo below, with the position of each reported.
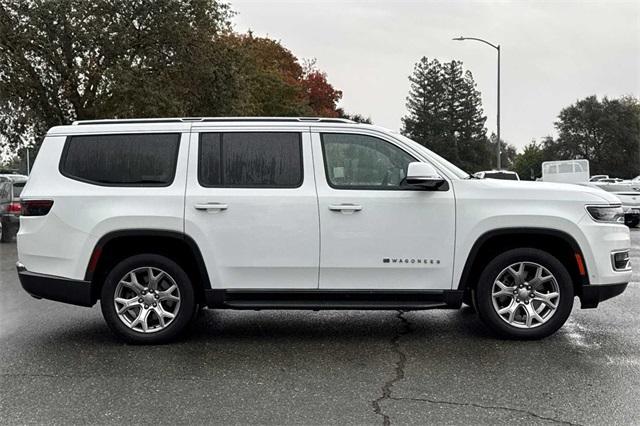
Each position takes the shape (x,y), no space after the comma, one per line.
(60,364)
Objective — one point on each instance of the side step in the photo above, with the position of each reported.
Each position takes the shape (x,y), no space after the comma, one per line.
(334,299)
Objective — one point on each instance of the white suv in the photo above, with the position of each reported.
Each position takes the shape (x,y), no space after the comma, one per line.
(156,218)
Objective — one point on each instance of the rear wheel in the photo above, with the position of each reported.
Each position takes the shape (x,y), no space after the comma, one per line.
(147,298)
(524,294)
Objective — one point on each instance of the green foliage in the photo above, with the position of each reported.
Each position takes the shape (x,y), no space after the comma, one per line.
(65,60)
(528,163)
(445,113)
(358,118)
(606,132)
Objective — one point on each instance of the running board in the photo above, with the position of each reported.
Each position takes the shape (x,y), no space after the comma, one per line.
(409,300)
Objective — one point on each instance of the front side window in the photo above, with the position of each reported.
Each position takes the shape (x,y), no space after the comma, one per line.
(122,160)
(363,162)
(250,160)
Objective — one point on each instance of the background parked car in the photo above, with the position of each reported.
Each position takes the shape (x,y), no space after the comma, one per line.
(631,205)
(497,174)
(10,189)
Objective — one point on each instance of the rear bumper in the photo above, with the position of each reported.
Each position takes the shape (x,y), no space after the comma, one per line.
(40,286)
(592,295)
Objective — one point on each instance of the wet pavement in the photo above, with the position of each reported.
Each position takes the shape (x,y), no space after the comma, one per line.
(60,364)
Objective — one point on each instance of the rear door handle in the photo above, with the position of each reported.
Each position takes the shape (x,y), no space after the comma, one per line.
(211,206)
(345,208)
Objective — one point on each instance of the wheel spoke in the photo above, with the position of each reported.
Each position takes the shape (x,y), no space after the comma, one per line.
(167,295)
(504,289)
(531,315)
(126,304)
(546,298)
(518,275)
(133,284)
(511,310)
(154,280)
(539,278)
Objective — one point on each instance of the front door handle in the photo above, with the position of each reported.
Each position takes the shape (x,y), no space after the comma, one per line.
(345,208)
(211,206)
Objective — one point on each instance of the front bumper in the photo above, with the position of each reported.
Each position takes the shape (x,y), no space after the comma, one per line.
(41,286)
(591,295)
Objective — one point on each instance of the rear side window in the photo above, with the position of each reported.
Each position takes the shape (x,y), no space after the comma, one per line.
(250,160)
(122,160)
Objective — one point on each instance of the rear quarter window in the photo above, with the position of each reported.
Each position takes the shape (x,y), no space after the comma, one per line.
(121,160)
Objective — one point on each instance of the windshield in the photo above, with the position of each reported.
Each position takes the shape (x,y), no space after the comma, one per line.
(457,171)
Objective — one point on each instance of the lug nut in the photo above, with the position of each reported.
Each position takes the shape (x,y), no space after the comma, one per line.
(157,296)
(521,285)
(146,306)
(528,287)
(144,292)
(155,304)
(526,302)
(140,300)
(532,295)
(517,300)
(151,291)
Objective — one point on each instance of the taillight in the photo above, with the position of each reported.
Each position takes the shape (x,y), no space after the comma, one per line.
(36,207)
(14,208)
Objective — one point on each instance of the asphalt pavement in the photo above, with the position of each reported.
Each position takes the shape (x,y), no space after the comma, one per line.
(60,364)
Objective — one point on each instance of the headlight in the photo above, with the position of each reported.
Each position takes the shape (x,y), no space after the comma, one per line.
(610,214)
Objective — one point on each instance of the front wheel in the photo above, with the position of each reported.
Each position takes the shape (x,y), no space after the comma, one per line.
(147,298)
(524,294)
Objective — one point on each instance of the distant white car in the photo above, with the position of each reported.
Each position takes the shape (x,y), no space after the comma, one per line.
(631,206)
(497,174)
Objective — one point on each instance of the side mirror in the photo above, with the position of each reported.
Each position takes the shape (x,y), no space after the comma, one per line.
(424,176)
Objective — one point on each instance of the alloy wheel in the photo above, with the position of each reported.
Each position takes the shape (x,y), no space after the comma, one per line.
(147,299)
(525,295)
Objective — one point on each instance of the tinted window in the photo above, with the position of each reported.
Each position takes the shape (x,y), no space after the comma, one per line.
(122,160)
(250,160)
(503,176)
(363,162)
(5,191)
(17,189)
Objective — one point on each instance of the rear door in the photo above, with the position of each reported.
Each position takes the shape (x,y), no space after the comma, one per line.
(251,206)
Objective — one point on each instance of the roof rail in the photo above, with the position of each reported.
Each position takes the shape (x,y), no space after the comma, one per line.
(213,119)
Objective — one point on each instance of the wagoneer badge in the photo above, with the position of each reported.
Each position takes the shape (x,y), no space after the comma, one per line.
(405,260)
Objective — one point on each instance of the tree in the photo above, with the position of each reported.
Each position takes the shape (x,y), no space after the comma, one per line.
(358,118)
(445,113)
(528,164)
(65,60)
(607,133)
(72,59)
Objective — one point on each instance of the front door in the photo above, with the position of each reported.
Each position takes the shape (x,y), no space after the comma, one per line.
(376,232)
(251,206)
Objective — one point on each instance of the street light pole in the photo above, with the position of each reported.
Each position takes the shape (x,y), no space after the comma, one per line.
(497,47)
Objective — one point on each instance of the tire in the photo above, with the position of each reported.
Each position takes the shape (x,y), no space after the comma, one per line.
(146,312)
(632,222)
(6,233)
(524,317)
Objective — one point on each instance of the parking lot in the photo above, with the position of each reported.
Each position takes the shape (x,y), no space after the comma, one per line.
(60,364)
